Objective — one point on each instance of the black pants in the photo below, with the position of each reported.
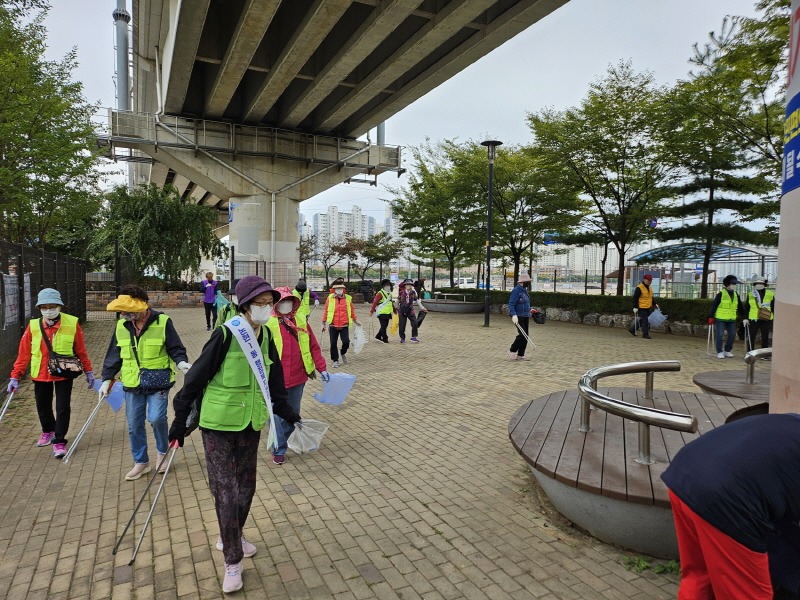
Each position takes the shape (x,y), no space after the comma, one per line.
(763,327)
(231,458)
(211,311)
(43,391)
(520,343)
(384,321)
(408,317)
(640,321)
(335,333)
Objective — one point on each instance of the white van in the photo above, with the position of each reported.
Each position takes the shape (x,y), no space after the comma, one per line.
(466,282)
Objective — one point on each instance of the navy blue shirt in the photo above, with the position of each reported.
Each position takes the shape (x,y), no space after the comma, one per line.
(743,477)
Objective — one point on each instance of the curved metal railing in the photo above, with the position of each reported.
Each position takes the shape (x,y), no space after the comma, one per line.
(750,358)
(645,416)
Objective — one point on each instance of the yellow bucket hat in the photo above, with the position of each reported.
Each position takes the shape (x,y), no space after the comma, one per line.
(125,303)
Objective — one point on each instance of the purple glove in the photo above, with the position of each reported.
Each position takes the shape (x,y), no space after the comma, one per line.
(90,378)
(13,386)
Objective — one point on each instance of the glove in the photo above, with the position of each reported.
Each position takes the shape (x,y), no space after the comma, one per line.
(635,310)
(184,367)
(90,378)
(316,303)
(710,320)
(324,327)
(325,376)
(515,319)
(746,322)
(356,321)
(13,386)
(177,432)
(104,387)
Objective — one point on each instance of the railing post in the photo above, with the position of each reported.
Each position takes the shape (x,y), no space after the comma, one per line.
(751,373)
(585,412)
(644,444)
(648,385)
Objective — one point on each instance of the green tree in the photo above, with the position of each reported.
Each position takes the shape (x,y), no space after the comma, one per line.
(330,253)
(614,145)
(48,182)
(307,249)
(432,214)
(164,235)
(376,249)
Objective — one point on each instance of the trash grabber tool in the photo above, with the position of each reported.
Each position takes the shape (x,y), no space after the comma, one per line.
(174,446)
(525,335)
(135,510)
(83,430)
(710,335)
(6,405)
(748,341)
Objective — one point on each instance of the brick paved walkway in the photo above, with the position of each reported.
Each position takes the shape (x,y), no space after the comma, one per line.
(416,492)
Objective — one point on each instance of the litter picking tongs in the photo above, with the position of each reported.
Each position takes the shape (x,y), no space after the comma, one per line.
(83,431)
(525,335)
(168,458)
(6,405)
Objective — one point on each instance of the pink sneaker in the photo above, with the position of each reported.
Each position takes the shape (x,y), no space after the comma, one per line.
(46,439)
(59,450)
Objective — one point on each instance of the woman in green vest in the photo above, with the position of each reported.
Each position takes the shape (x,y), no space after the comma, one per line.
(300,357)
(65,337)
(724,310)
(760,310)
(383,305)
(232,407)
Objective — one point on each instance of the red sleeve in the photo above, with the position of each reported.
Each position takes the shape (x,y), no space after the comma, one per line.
(374,303)
(23,355)
(316,352)
(80,349)
(353,311)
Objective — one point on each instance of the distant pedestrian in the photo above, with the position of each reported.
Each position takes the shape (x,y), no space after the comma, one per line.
(306,296)
(300,356)
(407,299)
(383,305)
(519,308)
(65,336)
(759,308)
(642,307)
(724,310)
(209,289)
(141,349)
(337,316)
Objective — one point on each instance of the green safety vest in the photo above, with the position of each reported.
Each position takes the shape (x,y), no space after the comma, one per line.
(305,299)
(63,340)
(726,311)
(233,399)
(386,310)
(331,309)
(767,297)
(226,313)
(150,346)
(274,326)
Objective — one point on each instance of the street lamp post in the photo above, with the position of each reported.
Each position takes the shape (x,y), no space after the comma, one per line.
(491,146)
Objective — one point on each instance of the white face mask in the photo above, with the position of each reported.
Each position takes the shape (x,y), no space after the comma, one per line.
(50,313)
(285,307)
(260,314)
(387,288)
(760,286)
(338,291)
(128,316)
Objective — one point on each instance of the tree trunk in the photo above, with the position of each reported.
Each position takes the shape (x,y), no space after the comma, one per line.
(452,274)
(709,241)
(603,270)
(621,280)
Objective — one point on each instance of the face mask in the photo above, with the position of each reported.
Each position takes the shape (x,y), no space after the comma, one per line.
(50,313)
(285,308)
(260,314)
(731,287)
(128,316)
(338,291)
(387,288)
(760,286)
(409,288)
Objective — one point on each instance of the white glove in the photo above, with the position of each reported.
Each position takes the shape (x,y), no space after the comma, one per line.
(104,387)
(325,376)
(635,310)
(316,302)
(515,319)
(746,322)
(184,367)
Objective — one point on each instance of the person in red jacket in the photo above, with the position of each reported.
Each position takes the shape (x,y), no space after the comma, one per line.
(300,355)
(66,337)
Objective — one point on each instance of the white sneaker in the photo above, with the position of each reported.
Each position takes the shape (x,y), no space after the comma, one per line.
(248,548)
(720,355)
(512,355)
(344,359)
(336,364)
(233,578)
(728,354)
(137,471)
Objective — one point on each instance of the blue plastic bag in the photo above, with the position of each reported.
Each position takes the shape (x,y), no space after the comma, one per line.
(335,391)
(657,318)
(116,397)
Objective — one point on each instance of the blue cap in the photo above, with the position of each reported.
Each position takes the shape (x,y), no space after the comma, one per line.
(49,296)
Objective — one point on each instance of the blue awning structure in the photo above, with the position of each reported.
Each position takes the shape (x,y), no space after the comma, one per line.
(693,253)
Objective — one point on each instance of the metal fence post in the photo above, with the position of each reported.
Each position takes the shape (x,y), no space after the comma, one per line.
(644,444)
(648,385)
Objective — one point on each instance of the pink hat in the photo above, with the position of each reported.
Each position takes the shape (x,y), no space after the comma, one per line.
(524,278)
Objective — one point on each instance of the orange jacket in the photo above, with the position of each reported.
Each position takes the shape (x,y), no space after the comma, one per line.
(339,310)
(24,355)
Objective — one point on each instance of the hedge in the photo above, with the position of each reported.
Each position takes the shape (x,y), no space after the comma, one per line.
(677,309)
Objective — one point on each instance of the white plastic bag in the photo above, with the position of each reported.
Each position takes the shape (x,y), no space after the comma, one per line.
(359,339)
(307,436)
(656,318)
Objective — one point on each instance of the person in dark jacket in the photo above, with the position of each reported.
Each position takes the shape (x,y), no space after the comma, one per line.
(758,307)
(733,491)
(519,309)
(232,412)
(642,307)
(724,310)
(143,339)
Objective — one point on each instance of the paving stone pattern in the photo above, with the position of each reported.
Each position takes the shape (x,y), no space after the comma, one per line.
(415,493)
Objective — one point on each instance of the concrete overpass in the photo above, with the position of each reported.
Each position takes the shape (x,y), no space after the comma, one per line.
(261,101)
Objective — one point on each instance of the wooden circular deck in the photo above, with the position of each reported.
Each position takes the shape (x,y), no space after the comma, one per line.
(732,383)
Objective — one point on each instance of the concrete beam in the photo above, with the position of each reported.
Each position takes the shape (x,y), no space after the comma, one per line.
(253,23)
(177,61)
(180,182)
(453,18)
(318,22)
(366,38)
(500,30)
(158,174)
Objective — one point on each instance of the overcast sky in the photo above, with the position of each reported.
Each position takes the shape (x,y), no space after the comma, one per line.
(550,64)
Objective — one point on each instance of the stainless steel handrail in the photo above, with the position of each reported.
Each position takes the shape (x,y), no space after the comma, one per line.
(645,416)
(750,358)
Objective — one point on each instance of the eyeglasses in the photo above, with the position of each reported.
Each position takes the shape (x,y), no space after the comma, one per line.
(264,303)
